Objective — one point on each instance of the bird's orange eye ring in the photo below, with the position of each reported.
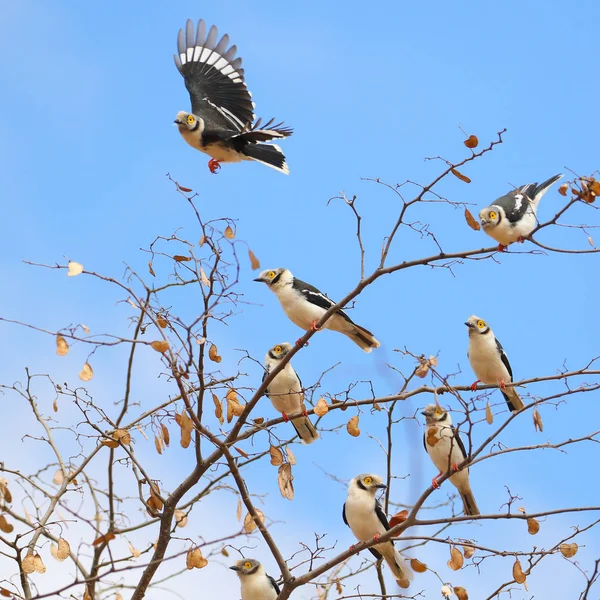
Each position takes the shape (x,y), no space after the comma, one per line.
(277,349)
(493,214)
(190,119)
(247,565)
(368,480)
(271,274)
(480,324)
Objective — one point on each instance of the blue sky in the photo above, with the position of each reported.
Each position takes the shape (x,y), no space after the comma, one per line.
(86,139)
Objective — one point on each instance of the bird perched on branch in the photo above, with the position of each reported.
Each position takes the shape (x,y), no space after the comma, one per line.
(286,392)
(512,217)
(447,451)
(255,583)
(489,361)
(221,123)
(304,304)
(365,517)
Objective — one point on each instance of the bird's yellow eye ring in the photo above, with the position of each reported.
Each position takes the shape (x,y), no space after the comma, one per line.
(247,565)
(190,119)
(368,480)
(481,324)
(271,274)
(277,349)
(493,214)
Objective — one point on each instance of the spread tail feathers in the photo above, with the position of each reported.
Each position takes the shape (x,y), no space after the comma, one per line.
(305,430)
(360,336)
(513,400)
(395,562)
(469,504)
(268,154)
(541,189)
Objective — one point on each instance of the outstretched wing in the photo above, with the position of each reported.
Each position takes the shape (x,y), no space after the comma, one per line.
(503,357)
(214,78)
(314,296)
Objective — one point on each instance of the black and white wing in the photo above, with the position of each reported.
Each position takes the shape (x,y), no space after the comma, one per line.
(314,296)
(516,203)
(344,514)
(503,357)
(274,584)
(214,78)
(458,441)
(265,375)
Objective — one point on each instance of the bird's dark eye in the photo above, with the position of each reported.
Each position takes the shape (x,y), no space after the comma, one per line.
(368,480)
(271,274)
(247,565)
(277,349)
(190,119)
(493,214)
(481,324)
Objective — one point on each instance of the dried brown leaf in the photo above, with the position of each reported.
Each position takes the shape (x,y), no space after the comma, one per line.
(58,477)
(352,426)
(322,407)
(422,370)
(249,524)
(417,566)
(234,408)
(162,322)
(399,517)
(134,551)
(468,551)
(123,436)
(472,222)
(158,444)
(184,189)
(229,233)
(254,262)
(533,526)
(201,241)
(240,451)
(489,415)
(160,345)
(517,572)
(104,539)
(62,348)
(165,434)
(180,258)
(461,593)
(86,372)
(109,443)
(238,511)
(213,354)
(562,189)
(63,550)
(537,421)
(460,176)
(568,550)
(5,526)
(187,426)
(471,142)
(290,455)
(218,409)
(181,519)
(150,269)
(28,564)
(203,278)
(276,456)
(284,480)
(194,559)
(456,559)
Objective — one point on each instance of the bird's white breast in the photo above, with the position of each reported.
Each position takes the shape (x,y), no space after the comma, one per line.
(485,359)
(257,587)
(285,391)
(361,516)
(445,452)
(298,309)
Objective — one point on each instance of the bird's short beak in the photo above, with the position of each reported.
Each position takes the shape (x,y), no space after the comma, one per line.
(469,324)
(259,280)
(483,222)
(381,486)
(234,568)
(424,413)
(178,122)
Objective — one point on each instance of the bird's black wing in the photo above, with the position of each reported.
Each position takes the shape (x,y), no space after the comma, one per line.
(214,78)
(517,202)
(504,357)
(274,584)
(314,296)
(265,375)
(381,515)
(425,440)
(344,514)
(459,442)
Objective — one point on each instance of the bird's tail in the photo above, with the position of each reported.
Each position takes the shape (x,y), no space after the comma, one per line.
(305,429)
(268,154)
(513,400)
(360,336)
(395,562)
(541,189)
(469,504)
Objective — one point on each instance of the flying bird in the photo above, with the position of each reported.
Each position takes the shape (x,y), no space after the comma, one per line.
(286,392)
(489,361)
(255,583)
(447,451)
(304,304)
(221,123)
(512,217)
(365,517)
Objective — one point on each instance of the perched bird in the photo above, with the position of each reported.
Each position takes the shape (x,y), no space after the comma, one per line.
(255,583)
(512,217)
(221,123)
(305,305)
(489,361)
(447,451)
(286,392)
(365,517)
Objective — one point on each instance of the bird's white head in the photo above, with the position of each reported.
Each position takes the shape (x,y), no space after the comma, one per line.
(477,326)
(279,351)
(366,482)
(276,279)
(188,122)
(246,567)
(491,216)
(435,414)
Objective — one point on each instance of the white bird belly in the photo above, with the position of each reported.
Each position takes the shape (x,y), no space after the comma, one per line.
(485,360)
(285,391)
(507,233)
(445,453)
(255,588)
(363,520)
(301,312)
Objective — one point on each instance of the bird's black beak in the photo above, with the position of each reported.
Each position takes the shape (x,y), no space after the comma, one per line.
(234,568)
(469,324)
(381,486)
(259,280)
(424,413)
(178,122)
